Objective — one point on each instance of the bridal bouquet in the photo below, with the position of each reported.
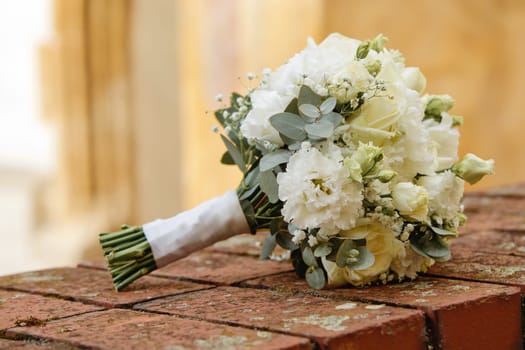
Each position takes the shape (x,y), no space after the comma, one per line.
(345,162)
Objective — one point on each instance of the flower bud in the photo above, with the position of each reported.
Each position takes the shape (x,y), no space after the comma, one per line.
(435,104)
(414,79)
(410,200)
(386,175)
(472,168)
(367,155)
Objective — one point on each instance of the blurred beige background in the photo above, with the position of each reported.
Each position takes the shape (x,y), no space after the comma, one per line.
(122,94)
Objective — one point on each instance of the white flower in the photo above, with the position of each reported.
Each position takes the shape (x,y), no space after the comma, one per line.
(257,125)
(298,236)
(472,168)
(445,191)
(312,241)
(408,263)
(410,200)
(380,241)
(445,138)
(317,190)
(414,79)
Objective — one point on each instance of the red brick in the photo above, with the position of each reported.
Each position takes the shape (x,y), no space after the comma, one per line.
(126,329)
(33,345)
(516,190)
(448,304)
(494,213)
(484,267)
(363,326)
(17,307)
(221,268)
(94,286)
(495,242)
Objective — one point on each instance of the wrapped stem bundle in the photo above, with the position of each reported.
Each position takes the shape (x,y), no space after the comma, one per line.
(345,162)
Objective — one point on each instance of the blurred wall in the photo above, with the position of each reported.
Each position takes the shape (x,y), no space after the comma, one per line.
(143,75)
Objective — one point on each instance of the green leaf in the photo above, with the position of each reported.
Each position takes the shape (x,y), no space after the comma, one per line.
(309,111)
(234,153)
(268,183)
(227,159)
(443,232)
(308,256)
(328,105)
(365,259)
(290,125)
(343,253)
(294,146)
(335,118)
(284,239)
(268,246)
(315,277)
(320,129)
(306,95)
(322,250)
(270,160)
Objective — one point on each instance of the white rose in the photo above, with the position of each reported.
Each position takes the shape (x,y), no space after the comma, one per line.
(380,241)
(410,200)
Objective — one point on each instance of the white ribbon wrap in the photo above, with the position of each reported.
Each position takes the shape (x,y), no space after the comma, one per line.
(212,221)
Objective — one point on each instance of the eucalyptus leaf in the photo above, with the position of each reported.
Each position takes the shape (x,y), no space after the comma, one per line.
(294,146)
(306,95)
(310,111)
(365,259)
(443,232)
(268,246)
(292,106)
(308,256)
(320,129)
(343,253)
(430,245)
(252,178)
(234,153)
(268,183)
(328,105)
(335,118)
(315,277)
(227,159)
(322,250)
(284,239)
(248,193)
(290,125)
(271,160)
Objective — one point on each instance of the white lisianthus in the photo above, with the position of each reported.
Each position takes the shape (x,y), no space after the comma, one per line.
(317,190)
(472,168)
(380,241)
(445,191)
(257,125)
(445,138)
(410,200)
(414,79)
(407,263)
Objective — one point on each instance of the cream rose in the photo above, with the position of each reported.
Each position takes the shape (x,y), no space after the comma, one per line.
(380,241)
(410,200)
